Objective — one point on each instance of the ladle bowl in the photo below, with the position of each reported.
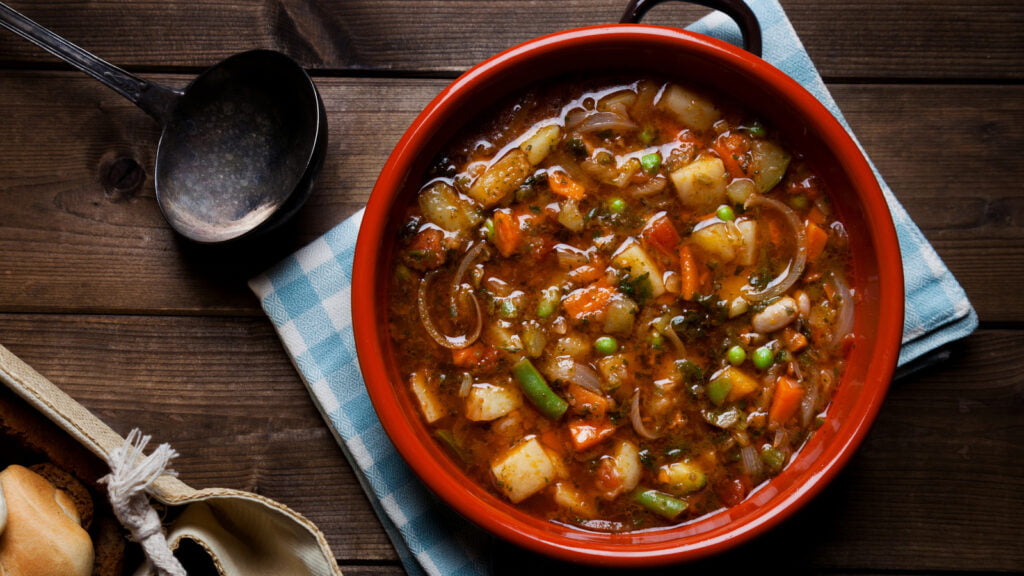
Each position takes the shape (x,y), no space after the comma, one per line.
(241,145)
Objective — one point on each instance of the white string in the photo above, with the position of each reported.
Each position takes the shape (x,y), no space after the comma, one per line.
(131,475)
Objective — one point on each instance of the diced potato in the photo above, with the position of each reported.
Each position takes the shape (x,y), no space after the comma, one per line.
(739,190)
(631,256)
(701,184)
(524,470)
(614,371)
(682,477)
(442,205)
(729,241)
(539,145)
(621,315)
(501,179)
(487,402)
(769,162)
(431,406)
(501,336)
(743,384)
(569,215)
(574,345)
(718,239)
(692,110)
(746,251)
(621,471)
(569,498)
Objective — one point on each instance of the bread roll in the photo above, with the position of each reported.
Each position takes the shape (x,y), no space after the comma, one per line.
(43,535)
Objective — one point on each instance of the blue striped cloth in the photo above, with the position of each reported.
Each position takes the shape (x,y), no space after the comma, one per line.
(307,295)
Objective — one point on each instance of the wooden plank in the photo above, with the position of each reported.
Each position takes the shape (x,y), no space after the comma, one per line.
(223,394)
(955,168)
(946,443)
(916,39)
(953,164)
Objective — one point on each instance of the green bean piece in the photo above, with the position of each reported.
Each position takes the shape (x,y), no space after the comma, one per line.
(718,389)
(773,457)
(548,303)
(662,504)
(537,390)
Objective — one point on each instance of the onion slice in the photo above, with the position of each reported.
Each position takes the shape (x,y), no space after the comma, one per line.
(783,282)
(637,420)
(844,317)
(453,342)
(597,121)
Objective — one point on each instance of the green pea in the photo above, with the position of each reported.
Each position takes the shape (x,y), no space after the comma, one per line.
(736,355)
(648,135)
(651,162)
(616,205)
(798,202)
(489,229)
(606,345)
(657,341)
(763,358)
(725,213)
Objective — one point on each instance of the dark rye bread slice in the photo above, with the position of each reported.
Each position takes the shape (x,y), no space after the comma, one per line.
(30,439)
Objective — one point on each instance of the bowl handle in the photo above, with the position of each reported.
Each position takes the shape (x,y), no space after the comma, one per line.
(735,9)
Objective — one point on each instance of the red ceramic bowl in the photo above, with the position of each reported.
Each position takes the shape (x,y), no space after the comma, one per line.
(695,60)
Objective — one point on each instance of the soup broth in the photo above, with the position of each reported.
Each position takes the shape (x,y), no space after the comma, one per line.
(621,304)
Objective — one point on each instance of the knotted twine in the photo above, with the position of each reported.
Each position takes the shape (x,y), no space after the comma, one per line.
(131,475)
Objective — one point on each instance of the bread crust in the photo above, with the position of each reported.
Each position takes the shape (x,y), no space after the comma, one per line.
(31,440)
(43,535)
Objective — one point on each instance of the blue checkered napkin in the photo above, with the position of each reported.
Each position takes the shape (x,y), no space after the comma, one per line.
(307,298)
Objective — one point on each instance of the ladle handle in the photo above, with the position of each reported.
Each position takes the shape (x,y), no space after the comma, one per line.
(735,9)
(156,100)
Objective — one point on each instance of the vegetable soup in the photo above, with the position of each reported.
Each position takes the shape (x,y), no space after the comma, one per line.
(621,304)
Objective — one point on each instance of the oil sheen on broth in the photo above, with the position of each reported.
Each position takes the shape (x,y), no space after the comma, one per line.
(621,303)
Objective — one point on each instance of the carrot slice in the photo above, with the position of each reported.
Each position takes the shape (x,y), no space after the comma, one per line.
(586,434)
(816,240)
(661,234)
(477,355)
(786,400)
(586,402)
(508,236)
(587,302)
(690,275)
(563,185)
(732,149)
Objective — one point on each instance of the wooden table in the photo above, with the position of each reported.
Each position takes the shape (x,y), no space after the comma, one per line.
(100,296)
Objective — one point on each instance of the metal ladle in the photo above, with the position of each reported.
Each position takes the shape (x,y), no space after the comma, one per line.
(241,146)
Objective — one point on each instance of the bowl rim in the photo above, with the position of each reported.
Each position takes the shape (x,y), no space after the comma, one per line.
(367,320)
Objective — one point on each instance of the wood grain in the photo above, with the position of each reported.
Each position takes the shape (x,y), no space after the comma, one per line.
(911,39)
(946,443)
(146,330)
(63,230)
